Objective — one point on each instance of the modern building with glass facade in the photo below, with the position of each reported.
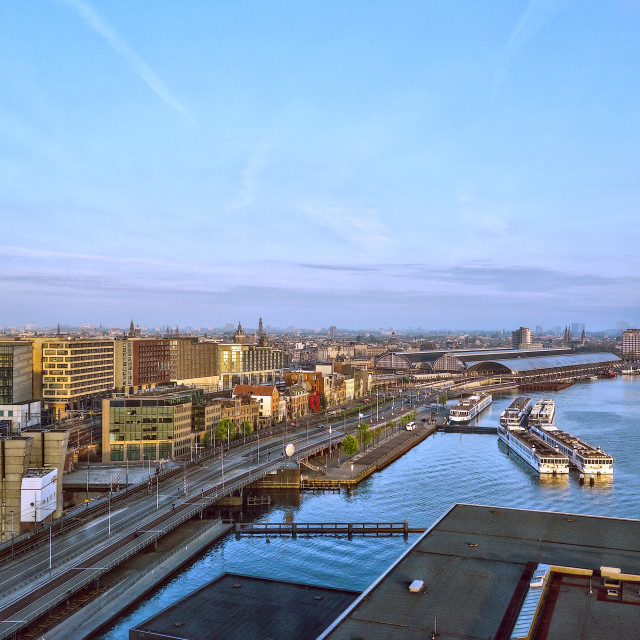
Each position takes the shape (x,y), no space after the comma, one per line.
(16,366)
(148,426)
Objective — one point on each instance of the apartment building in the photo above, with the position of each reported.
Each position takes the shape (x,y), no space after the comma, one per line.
(631,344)
(267,397)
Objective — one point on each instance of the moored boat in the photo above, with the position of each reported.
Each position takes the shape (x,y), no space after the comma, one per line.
(535,452)
(468,408)
(516,413)
(586,458)
(543,412)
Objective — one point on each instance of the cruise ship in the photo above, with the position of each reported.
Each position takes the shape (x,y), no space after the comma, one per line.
(466,410)
(543,412)
(516,413)
(535,452)
(587,459)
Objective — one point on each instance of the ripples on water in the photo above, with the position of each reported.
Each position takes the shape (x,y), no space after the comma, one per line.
(421,486)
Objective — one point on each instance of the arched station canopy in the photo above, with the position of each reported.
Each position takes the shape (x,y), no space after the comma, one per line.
(492,361)
(541,364)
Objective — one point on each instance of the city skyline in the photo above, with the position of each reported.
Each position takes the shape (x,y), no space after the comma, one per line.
(459,164)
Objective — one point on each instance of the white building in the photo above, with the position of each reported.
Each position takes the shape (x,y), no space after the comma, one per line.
(38,496)
(14,418)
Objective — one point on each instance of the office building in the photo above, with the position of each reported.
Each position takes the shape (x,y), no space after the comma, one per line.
(631,344)
(155,425)
(16,372)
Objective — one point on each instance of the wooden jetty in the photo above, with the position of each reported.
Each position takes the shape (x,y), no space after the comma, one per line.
(348,529)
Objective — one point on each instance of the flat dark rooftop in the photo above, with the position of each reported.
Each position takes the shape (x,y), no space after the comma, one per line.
(475,563)
(255,610)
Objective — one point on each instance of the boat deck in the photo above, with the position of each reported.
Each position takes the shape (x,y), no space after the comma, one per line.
(573,442)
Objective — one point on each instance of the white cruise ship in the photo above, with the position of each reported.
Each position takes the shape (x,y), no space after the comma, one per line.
(516,413)
(466,410)
(537,453)
(587,459)
(543,412)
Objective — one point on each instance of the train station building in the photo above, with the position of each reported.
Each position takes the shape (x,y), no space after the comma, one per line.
(520,364)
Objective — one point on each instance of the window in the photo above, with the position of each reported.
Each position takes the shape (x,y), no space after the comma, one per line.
(117,452)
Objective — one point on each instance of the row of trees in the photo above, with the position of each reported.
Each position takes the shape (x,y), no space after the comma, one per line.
(226,430)
(366,434)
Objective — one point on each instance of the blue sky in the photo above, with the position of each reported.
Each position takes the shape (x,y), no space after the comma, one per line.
(462,164)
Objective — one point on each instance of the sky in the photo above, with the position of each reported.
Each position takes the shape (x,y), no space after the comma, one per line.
(450,163)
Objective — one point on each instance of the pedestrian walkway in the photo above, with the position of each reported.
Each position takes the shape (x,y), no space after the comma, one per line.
(336,470)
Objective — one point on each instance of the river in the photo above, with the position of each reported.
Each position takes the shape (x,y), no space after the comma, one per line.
(421,486)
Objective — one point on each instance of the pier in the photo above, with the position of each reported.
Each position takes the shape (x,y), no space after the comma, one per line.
(294,529)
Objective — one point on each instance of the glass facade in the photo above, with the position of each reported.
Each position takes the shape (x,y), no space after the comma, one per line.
(150,428)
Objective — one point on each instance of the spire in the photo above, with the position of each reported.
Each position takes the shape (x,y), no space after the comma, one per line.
(263,341)
(132,329)
(239,336)
(58,328)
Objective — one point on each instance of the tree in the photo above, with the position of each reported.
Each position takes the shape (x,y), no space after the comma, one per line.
(205,438)
(225,429)
(364,434)
(246,428)
(442,398)
(350,445)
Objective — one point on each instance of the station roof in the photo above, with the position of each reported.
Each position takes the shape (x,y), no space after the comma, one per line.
(524,365)
(476,563)
(468,357)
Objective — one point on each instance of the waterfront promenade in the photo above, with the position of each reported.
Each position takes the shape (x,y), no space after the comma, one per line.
(335,470)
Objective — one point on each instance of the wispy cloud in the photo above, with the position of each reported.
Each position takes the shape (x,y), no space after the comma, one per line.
(360,227)
(140,67)
(534,17)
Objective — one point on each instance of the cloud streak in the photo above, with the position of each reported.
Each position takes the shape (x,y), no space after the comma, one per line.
(139,66)
(537,13)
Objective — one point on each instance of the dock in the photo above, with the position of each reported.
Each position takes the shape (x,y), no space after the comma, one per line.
(458,428)
(293,529)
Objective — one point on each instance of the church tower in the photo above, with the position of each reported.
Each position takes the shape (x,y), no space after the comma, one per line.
(263,341)
(239,336)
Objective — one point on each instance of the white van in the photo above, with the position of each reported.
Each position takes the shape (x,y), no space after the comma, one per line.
(411,426)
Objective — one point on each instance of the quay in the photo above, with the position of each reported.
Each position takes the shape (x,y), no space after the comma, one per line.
(342,473)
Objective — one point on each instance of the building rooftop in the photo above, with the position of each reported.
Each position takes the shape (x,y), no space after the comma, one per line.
(238,607)
(477,565)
